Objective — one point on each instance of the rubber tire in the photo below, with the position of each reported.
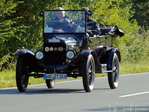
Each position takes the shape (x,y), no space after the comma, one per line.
(88,73)
(50,83)
(22,75)
(113,77)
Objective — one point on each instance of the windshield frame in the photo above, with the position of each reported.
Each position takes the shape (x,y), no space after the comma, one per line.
(48,13)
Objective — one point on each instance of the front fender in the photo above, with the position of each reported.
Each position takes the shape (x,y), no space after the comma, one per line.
(81,56)
(110,57)
(24,51)
(31,62)
(85,52)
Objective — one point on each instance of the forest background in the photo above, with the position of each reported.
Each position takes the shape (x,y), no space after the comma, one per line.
(21,25)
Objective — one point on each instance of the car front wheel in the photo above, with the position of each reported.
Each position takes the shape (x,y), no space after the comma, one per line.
(88,73)
(50,83)
(22,74)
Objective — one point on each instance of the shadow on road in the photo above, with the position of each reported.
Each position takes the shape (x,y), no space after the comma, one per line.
(14,91)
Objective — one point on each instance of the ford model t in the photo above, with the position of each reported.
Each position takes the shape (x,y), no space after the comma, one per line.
(68,52)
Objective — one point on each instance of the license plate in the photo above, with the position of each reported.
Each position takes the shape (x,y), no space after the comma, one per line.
(55,76)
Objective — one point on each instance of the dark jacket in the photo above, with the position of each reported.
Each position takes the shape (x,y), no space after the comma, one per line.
(93,26)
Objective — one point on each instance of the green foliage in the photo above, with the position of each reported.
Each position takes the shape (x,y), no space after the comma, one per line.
(7,31)
(141,9)
(21,25)
(134,48)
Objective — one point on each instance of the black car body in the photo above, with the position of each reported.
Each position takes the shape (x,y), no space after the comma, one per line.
(71,53)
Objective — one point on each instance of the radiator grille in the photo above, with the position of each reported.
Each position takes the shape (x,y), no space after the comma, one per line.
(55,57)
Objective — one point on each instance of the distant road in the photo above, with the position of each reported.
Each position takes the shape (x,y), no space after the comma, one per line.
(132,95)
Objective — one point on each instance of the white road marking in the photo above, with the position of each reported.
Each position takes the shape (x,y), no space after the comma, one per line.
(134,94)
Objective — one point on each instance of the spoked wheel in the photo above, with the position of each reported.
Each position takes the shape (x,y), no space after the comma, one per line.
(88,73)
(50,83)
(22,74)
(114,76)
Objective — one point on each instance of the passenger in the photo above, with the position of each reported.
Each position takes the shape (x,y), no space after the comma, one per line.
(92,25)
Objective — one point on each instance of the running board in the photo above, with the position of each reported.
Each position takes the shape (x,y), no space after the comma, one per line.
(104,68)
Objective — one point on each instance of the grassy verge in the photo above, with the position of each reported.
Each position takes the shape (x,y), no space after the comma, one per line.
(134,67)
(7,78)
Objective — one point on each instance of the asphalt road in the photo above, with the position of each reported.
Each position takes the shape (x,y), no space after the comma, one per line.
(132,95)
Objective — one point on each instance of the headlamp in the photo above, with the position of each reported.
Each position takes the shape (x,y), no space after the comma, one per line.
(39,55)
(70,54)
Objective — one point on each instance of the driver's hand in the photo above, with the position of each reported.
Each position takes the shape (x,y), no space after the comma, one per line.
(60,31)
(89,31)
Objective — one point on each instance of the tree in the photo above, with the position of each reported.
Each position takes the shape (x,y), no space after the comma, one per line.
(21,25)
(141,9)
(7,8)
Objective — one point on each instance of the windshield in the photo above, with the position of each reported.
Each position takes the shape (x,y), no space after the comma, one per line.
(57,21)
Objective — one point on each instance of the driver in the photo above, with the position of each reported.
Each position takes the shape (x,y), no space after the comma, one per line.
(61,23)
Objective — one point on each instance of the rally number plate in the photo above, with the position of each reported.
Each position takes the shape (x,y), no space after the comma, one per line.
(55,76)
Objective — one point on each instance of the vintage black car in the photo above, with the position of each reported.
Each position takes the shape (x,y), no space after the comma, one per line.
(71,53)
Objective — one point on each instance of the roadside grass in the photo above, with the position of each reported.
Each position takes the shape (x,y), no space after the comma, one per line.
(7,78)
(134,67)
